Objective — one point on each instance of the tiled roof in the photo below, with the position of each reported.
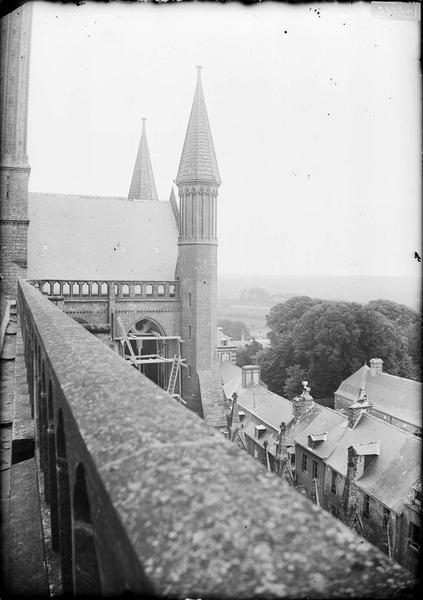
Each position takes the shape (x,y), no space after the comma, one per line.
(77,237)
(395,396)
(198,160)
(143,186)
(392,473)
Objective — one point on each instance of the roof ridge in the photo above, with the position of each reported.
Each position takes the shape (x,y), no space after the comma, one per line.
(407,379)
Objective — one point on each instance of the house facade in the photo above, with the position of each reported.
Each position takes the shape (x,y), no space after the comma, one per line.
(361,469)
(368,475)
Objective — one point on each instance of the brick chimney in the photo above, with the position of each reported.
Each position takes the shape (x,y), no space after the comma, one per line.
(250,375)
(376,366)
(302,403)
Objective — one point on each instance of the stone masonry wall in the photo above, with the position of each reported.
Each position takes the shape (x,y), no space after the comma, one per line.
(15,30)
(197,268)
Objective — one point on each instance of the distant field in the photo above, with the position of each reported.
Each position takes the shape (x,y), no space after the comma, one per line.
(405,290)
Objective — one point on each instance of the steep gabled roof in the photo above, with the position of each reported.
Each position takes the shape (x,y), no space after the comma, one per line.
(392,473)
(198,160)
(143,186)
(331,422)
(91,237)
(390,394)
(266,405)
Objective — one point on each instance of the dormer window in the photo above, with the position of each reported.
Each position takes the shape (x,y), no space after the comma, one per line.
(314,439)
(259,430)
(241,415)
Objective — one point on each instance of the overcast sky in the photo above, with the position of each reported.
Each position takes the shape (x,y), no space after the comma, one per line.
(314,111)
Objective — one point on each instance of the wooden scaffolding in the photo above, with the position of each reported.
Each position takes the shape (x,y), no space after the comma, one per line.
(172,378)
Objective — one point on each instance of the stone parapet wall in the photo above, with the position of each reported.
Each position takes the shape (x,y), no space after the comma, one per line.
(146,497)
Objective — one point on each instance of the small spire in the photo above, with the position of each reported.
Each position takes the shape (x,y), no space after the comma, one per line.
(198,160)
(143,186)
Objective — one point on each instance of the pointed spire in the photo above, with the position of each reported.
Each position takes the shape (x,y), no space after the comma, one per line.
(143,186)
(198,160)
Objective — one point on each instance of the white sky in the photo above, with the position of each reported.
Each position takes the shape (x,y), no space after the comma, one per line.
(316,131)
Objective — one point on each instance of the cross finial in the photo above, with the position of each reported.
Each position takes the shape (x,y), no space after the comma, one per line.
(199,67)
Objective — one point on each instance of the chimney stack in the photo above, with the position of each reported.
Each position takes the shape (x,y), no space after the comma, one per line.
(303,403)
(376,366)
(355,411)
(250,375)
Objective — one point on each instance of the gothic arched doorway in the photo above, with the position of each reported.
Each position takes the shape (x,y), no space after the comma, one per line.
(146,339)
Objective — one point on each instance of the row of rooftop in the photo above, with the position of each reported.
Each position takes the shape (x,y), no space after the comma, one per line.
(360,461)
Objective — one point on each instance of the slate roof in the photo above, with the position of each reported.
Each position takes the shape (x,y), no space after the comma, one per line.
(263,406)
(212,398)
(231,376)
(143,186)
(390,394)
(388,478)
(327,421)
(392,473)
(266,405)
(92,237)
(198,160)
(228,371)
(272,409)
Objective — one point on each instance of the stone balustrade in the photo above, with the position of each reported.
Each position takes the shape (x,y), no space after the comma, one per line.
(145,497)
(107,290)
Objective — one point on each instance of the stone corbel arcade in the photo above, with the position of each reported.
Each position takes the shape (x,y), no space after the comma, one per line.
(143,496)
(115,309)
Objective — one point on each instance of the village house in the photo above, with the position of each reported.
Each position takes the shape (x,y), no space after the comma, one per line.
(263,422)
(394,399)
(225,347)
(365,470)
(360,468)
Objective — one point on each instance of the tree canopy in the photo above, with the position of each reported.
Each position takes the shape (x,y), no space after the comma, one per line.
(325,341)
(234,329)
(248,355)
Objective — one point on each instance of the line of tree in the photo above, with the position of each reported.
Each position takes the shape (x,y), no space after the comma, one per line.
(234,329)
(325,341)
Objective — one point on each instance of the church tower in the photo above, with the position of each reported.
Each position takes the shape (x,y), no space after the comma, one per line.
(15,30)
(198,181)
